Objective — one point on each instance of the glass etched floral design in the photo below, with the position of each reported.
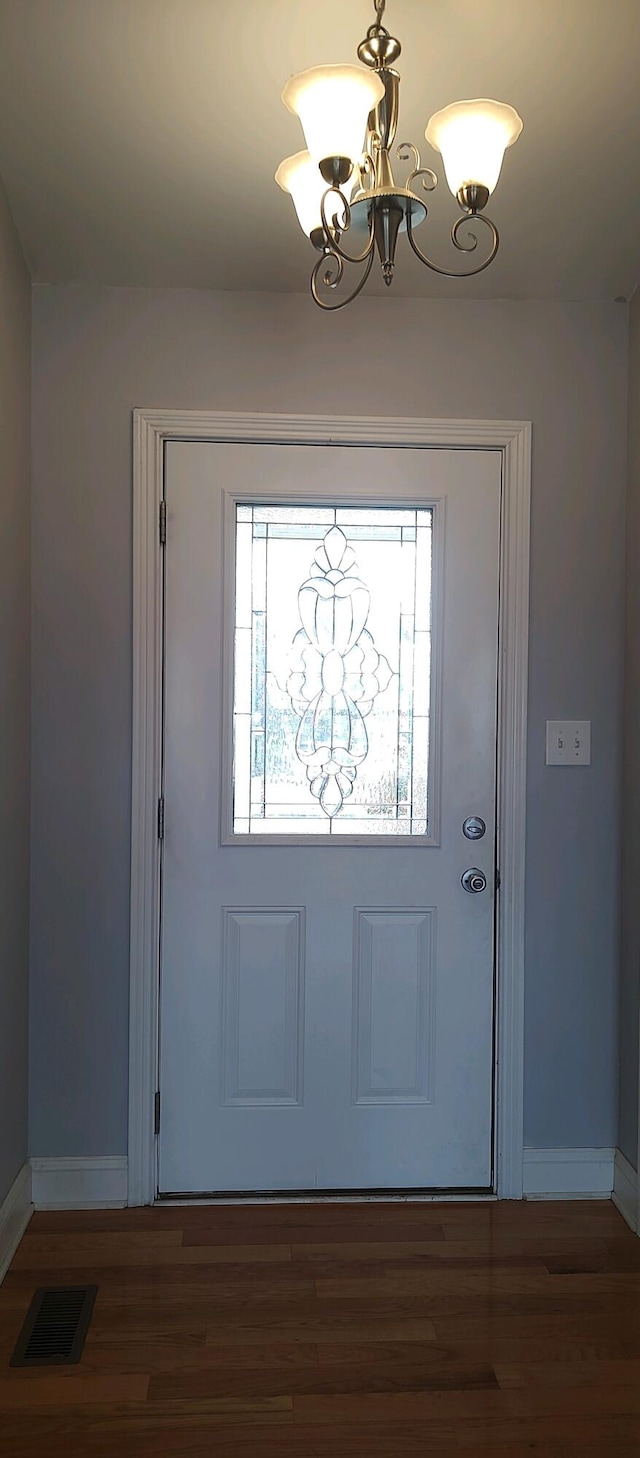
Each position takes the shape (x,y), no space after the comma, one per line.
(336,674)
(331,671)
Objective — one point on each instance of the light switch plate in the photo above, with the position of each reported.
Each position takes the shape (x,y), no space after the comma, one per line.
(568,741)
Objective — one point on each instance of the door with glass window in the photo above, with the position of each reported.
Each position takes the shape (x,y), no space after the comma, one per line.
(328,861)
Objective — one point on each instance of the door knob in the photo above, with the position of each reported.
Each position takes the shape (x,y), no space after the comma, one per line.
(474,880)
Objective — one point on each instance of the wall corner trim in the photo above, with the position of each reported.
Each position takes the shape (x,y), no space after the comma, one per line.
(556,1174)
(15,1213)
(625,1189)
(80,1184)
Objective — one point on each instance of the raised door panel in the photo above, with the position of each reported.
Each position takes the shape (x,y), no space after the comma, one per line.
(393,1016)
(262,1006)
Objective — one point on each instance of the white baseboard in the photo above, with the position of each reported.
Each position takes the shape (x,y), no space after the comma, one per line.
(79,1184)
(575,1174)
(625,1189)
(15,1213)
(101,1184)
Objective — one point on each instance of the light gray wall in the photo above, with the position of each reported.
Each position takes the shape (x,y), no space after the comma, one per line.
(99,353)
(15,407)
(630,979)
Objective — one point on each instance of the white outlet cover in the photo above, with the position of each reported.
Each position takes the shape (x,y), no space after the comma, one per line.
(568,741)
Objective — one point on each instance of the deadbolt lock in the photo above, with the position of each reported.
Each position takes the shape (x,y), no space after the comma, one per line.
(474,827)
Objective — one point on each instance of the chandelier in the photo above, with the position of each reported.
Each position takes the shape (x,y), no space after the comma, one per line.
(349,116)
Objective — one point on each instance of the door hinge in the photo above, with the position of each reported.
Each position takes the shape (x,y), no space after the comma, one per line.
(156,1113)
(163,523)
(498,880)
(161,818)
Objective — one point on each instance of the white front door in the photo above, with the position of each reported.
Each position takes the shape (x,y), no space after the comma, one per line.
(327,982)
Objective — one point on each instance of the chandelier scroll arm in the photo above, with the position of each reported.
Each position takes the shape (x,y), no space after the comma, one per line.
(336,227)
(332,260)
(405,152)
(367,166)
(462,247)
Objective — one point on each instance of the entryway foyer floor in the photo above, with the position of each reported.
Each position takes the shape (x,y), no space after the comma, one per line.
(299,1331)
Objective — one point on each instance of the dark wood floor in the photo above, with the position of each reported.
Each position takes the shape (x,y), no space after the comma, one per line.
(385,1331)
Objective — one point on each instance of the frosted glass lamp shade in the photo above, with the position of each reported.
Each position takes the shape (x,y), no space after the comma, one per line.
(301,177)
(473,137)
(333,104)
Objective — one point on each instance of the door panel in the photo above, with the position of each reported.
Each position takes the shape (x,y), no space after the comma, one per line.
(326,981)
(263,1007)
(393,1011)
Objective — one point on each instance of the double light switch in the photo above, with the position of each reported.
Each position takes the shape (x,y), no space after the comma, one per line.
(568,741)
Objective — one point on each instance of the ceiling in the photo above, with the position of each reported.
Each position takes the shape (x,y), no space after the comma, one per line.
(139,138)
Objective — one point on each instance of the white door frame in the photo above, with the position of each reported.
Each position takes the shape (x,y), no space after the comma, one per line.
(151,428)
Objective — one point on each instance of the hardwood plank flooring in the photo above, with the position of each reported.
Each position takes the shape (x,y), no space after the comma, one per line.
(338,1330)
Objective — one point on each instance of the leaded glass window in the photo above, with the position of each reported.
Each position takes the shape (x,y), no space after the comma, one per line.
(332,670)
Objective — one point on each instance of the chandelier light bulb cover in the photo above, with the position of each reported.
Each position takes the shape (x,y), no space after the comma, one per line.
(349,116)
(333,104)
(473,137)
(301,177)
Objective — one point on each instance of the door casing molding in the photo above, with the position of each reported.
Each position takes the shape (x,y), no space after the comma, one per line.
(151,428)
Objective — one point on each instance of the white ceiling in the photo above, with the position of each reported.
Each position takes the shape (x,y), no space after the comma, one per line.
(138,138)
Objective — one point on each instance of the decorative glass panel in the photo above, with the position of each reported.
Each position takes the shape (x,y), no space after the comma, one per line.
(332,664)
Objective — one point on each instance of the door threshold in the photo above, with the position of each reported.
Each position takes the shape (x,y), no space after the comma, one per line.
(336,1197)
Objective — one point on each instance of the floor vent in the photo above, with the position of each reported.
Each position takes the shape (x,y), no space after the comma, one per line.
(55,1328)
